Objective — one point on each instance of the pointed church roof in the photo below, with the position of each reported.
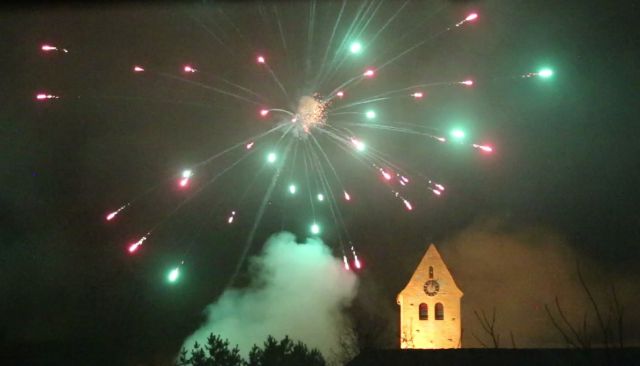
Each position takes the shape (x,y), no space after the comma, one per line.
(433,259)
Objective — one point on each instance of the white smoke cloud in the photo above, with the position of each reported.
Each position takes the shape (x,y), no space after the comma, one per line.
(299,290)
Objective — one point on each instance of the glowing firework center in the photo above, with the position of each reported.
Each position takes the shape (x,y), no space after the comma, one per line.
(312,112)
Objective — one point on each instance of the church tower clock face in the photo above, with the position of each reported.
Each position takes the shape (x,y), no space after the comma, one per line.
(431,287)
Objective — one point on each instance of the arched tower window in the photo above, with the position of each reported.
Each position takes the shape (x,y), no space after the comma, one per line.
(423,311)
(430,272)
(439,311)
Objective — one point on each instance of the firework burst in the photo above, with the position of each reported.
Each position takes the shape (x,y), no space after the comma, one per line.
(315,110)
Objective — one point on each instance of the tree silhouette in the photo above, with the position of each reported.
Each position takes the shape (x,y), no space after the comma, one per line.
(284,353)
(580,336)
(216,352)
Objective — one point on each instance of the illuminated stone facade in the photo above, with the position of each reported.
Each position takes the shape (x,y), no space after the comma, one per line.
(430,306)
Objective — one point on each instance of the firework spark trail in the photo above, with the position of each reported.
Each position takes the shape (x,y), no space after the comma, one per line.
(152,100)
(256,177)
(50,48)
(242,143)
(274,77)
(259,215)
(384,96)
(136,245)
(415,126)
(208,87)
(366,101)
(418,44)
(368,158)
(350,82)
(193,195)
(45,96)
(333,200)
(211,33)
(308,181)
(326,157)
(326,51)
(282,38)
(312,19)
(111,216)
(294,158)
(373,160)
(391,19)
(340,50)
(375,157)
(289,113)
(324,184)
(317,184)
(358,34)
(349,36)
(243,88)
(341,46)
(425,18)
(372,157)
(394,129)
(246,40)
(333,207)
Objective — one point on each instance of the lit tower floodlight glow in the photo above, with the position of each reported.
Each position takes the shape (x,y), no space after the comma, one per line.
(320,197)
(292,188)
(315,229)
(272,157)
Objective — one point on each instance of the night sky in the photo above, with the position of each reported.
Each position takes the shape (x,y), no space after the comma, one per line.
(567,159)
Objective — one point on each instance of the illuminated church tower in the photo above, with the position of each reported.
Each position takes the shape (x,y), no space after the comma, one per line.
(430,306)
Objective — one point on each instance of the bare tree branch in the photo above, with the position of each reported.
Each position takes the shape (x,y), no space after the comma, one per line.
(489,326)
(479,340)
(577,336)
(513,340)
(605,332)
(619,312)
(558,327)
